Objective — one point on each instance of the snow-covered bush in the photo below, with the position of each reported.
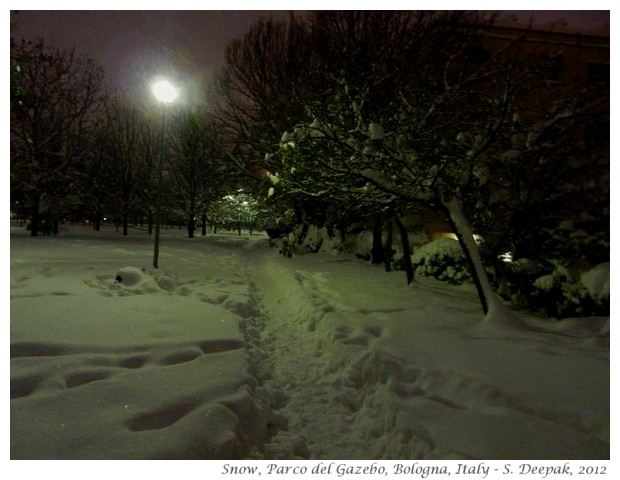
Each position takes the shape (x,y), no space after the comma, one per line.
(558,289)
(442,259)
(288,245)
(596,282)
(310,239)
(332,244)
(363,245)
(584,240)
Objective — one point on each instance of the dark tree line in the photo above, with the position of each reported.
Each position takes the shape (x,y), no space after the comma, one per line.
(79,150)
(56,99)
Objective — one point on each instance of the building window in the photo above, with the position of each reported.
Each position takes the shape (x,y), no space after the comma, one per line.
(552,67)
(598,73)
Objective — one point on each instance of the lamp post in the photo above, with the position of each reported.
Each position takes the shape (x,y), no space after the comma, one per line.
(166,93)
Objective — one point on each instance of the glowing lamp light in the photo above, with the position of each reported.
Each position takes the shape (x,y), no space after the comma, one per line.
(164,91)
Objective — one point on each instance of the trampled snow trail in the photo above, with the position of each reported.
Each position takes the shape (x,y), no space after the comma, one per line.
(309,375)
(291,362)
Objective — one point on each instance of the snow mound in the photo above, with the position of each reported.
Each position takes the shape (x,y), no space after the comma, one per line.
(133,280)
(166,283)
(131,276)
(596,281)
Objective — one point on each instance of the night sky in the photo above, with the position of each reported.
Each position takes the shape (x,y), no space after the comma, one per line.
(134,45)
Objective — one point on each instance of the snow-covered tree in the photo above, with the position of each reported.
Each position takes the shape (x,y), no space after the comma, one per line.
(353,54)
(421,158)
(545,196)
(446,128)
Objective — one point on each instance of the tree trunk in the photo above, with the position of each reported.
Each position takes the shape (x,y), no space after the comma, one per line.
(388,247)
(125,224)
(204,223)
(191,223)
(465,236)
(377,244)
(493,309)
(299,214)
(36,217)
(156,246)
(97,222)
(404,238)
(149,219)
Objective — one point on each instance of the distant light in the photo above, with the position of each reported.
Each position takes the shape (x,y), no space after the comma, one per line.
(164,91)
(506,257)
(439,235)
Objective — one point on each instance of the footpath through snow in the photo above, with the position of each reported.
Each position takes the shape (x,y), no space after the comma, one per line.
(363,367)
(305,376)
(233,351)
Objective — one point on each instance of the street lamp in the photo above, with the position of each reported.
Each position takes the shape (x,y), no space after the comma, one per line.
(166,93)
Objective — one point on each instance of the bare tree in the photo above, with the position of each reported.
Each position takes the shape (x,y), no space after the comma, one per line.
(196,165)
(122,144)
(56,98)
(98,177)
(260,88)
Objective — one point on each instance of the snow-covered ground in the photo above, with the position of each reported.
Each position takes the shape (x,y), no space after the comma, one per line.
(229,350)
